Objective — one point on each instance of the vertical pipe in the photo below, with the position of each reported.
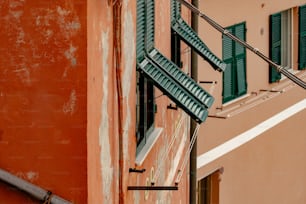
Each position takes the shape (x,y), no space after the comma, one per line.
(193,153)
(117,9)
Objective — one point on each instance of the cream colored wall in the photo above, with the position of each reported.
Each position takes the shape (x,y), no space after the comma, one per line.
(270,168)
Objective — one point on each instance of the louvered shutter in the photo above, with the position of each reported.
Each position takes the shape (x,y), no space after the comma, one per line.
(240,58)
(191,38)
(228,77)
(302,37)
(174,90)
(275,45)
(150,13)
(141,30)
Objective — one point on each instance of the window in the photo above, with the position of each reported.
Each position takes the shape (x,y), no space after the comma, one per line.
(280,42)
(145,89)
(208,188)
(234,55)
(155,69)
(302,37)
(145,110)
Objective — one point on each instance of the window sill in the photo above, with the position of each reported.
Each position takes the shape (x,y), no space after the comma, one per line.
(141,156)
(240,98)
(292,71)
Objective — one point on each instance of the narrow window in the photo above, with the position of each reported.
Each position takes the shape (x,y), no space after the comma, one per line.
(145,88)
(280,42)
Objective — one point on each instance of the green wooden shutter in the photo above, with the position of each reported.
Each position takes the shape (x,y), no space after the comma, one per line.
(275,45)
(150,23)
(302,37)
(141,30)
(174,90)
(228,77)
(191,38)
(181,78)
(240,55)
(175,10)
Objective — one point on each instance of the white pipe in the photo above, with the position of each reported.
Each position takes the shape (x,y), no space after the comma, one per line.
(33,190)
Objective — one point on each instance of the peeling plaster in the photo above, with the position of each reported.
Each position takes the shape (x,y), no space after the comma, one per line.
(19,62)
(69,107)
(68,27)
(29,176)
(105,154)
(70,55)
(129,56)
(176,160)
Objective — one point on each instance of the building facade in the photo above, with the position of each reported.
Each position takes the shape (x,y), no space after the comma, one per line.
(97,99)
(252,146)
(81,117)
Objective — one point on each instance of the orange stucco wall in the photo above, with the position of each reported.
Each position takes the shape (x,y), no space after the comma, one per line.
(43,97)
(68,103)
(112,64)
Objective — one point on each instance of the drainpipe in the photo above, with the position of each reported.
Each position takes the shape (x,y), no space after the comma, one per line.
(31,189)
(193,124)
(117,15)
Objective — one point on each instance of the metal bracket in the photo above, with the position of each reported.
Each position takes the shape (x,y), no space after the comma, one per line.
(134,170)
(272,91)
(152,188)
(208,82)
(172,107)
(216,116)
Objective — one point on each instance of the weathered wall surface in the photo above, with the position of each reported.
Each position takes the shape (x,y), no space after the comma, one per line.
(43,96)
(112,110)
(102,107)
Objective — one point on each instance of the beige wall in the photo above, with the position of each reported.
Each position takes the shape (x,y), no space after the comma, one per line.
(269,168)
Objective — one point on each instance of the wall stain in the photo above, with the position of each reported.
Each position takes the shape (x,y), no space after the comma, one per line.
(129,56)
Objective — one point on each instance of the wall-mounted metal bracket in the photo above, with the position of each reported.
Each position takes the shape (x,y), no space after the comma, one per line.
(172,107)
(271,90)
(208,82)
(134,170)
(217,116)
(152,188)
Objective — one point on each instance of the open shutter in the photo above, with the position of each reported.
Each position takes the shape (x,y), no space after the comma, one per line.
(240,55)
(275,45)
(173,90)
(150,25)
(228,77)
(141,30)
(192,39)
(181,78)
(302,37)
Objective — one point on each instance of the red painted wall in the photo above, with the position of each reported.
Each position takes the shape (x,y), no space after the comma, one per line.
(43,96)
